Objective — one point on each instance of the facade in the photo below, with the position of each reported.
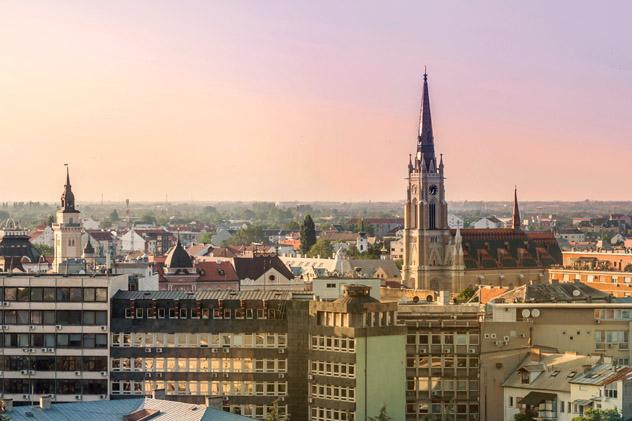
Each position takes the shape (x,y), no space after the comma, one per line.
(332,288)
(487,223)
(44,236)
(455,222)
(316,360)
(442,361)
(265,271)
(156,241)
(55,332)
(67,230)
(440,258)
(617,283)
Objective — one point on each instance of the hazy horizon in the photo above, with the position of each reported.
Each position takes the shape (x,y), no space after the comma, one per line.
(286,101)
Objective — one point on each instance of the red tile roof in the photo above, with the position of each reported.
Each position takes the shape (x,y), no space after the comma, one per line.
(216,271)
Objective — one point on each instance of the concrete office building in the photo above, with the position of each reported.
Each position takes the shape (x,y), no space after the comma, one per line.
(54,336)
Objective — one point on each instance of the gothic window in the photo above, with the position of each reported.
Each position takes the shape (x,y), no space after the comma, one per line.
(413,214)
(432,222)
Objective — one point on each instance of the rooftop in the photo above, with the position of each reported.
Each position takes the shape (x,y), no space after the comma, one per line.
(116,410)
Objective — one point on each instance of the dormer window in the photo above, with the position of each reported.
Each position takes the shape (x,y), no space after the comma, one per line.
(524,379)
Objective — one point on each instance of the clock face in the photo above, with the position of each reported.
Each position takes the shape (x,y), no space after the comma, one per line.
(433,190)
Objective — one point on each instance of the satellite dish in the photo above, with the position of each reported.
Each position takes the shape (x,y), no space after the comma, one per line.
(535,312)
(576,293)
(526,313)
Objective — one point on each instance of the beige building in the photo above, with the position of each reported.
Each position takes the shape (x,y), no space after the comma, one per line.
(67,230)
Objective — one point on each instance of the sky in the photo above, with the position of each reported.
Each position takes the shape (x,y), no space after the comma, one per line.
(308,101)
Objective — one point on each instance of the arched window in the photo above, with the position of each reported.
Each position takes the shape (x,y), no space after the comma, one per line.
(413,214)
(432,218)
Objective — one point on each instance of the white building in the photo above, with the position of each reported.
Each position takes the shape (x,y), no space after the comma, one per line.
(332,288)
(488,222)
(89,224)
(43,236)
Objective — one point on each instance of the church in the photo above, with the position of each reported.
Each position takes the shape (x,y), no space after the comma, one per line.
(437,257)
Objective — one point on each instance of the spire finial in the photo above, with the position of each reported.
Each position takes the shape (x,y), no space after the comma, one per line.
(425,73)
(425,140)
(516,223)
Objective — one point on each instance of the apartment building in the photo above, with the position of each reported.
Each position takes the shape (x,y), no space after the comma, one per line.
(54,336)
(356,358)
(442,361)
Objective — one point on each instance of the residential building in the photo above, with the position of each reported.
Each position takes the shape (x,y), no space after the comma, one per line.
(455,222)
(571,235)
(487,223)
(67,230)
(104,243)
(55,332)
(265,271)
(43,236)
(382,227)
(154,241)
(397,249)
(442,361)
(440,258)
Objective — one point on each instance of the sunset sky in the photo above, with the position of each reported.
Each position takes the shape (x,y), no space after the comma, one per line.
(318,100)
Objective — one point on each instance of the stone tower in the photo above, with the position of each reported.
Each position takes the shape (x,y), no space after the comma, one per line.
(428,242)
(67,229)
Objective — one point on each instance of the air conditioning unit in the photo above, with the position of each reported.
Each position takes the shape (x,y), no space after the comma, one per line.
(24,372)
(523,335)
(104,328)
(58,327)
(493,336)
(51,350)
(472,350)
(226,375)
(499,343)
(215,375)
(225,398)
(102,396)
(104,373)
(26,396)
(158,349)
(486,336)
(25,350)
(281,351)
(310,377)
(5,327)
(505,342)
(159,375)
(281,376)
(446,350)
(310,400)
(33,327)
(226,350)
(422,350)
(506,338)
(77,373)
(44,349)
(148,375)
(214,351)
(5,303)
(78,397)
(31,372)
(147,349)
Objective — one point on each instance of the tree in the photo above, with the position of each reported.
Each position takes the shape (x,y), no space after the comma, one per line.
(51,220)
(205,237)
(250,234)
(466,294)
(382,416)
(44,249)
(273,413)
(293,226)
(308,234)
(322,248)
(600,415)
(114,216)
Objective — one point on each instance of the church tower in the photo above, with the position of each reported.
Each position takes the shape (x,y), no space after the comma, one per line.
(67,229)
(428,242)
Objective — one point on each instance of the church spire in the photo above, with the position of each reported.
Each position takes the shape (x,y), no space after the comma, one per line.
(515,222)
(425,139)
(67,197)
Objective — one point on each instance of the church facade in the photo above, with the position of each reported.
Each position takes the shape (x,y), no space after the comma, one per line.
(440,258)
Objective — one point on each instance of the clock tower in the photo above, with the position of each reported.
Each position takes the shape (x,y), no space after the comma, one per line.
(429,247)
(67,230)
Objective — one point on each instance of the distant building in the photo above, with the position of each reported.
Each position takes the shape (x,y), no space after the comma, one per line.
(16,250)
(571,235)
(455,222)
(333,288)
(43,236)
(487,223)
(104,242)
(265,271)
(154,241)
(383,226)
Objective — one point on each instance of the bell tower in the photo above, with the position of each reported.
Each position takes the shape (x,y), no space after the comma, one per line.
(427,238)
(67,229)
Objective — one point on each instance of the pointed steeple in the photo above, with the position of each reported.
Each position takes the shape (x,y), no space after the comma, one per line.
(516,224)
(410,163)
(67,197)
(425,139)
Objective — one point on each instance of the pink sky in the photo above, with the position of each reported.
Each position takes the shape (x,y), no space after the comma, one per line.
(270,100)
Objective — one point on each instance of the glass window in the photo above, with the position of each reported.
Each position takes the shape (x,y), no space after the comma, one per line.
(37,294)
(76,295)
(10,294)
(23,294)
(101,295)
(89,294)
(48,295)
(63,294)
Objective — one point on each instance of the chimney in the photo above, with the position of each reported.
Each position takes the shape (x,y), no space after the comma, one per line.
(45,402)
(158,394)
(8,404)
